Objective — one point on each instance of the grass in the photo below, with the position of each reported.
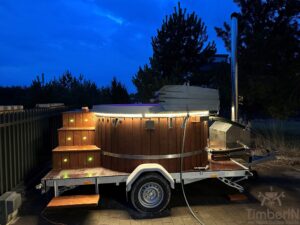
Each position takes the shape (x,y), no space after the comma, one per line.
(283,137)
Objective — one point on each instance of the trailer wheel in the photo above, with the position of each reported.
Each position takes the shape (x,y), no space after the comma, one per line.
(150,193)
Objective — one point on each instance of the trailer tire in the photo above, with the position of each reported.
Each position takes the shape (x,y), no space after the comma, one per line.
(151,193)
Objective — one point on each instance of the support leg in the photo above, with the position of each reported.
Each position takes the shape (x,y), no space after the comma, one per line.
(56,191)
(96,186)
(232,184)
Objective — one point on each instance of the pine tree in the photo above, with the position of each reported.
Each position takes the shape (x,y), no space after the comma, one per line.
(118,92)
(179,49)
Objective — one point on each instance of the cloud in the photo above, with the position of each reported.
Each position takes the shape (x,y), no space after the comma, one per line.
(108,15)
(115,19)
(87,8)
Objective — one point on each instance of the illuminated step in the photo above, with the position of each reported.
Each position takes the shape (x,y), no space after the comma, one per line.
(74,157)
(76,136)
(74,201)
(76,148)
(78,119)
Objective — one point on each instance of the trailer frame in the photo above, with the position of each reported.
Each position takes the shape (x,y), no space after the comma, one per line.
(89,176)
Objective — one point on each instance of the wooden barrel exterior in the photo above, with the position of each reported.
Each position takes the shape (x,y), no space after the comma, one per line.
(130,137)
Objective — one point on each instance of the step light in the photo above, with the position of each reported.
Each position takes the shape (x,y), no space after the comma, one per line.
(90,158)
(65,175)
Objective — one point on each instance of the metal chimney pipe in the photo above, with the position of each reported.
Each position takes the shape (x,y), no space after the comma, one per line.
(234,67)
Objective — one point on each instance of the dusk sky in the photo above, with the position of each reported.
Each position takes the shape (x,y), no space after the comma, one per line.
(99,39)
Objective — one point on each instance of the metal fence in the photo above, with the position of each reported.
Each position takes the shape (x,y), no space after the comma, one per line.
(26,140)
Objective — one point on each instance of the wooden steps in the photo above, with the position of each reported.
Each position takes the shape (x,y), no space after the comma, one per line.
(73,157)
(76,136)
(76,142)
(78,119)
(74,201)
(76,150)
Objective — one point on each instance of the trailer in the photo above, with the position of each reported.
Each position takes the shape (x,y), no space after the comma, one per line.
(148,147)
(148,187)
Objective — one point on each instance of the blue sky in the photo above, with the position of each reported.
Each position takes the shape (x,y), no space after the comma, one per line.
(99,39)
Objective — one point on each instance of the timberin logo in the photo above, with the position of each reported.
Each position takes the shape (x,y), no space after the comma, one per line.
(270,198)
(270,213)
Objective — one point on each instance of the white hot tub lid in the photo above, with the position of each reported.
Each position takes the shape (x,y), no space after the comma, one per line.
(174,100)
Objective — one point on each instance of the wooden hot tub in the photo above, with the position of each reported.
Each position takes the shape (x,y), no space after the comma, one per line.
(121,137)
(129,135)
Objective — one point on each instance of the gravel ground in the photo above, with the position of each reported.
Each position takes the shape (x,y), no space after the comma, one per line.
(208,198)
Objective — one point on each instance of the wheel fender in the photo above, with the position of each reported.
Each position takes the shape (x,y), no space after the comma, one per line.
(148,167)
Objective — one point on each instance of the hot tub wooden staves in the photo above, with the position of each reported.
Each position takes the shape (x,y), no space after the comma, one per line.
(128,142)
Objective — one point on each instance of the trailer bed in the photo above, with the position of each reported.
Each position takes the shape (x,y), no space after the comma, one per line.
(82,173)
(100,175)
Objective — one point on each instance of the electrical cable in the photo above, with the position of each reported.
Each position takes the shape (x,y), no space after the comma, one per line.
(181,168)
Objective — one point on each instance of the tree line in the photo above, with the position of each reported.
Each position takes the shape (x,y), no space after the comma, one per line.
(268,56)
(68,89)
